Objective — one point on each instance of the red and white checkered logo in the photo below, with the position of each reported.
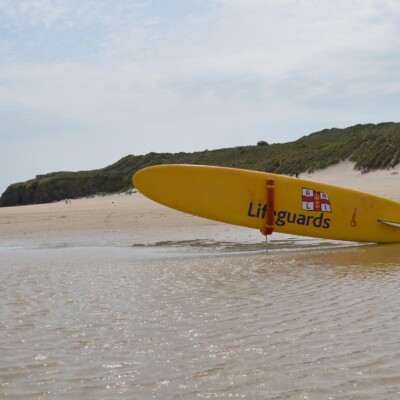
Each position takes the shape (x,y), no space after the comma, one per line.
(315,201)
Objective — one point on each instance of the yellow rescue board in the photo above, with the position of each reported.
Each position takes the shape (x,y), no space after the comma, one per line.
(302,207)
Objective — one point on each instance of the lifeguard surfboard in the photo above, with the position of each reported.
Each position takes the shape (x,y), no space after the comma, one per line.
(288,205)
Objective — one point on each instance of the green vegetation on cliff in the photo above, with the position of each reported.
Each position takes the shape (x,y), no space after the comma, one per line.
(369,146)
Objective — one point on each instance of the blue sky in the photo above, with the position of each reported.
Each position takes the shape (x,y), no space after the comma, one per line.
(84,83)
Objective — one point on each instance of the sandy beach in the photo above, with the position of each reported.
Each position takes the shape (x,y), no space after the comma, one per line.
(122,212)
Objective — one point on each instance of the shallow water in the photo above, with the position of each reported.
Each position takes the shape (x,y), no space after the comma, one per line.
(199,316)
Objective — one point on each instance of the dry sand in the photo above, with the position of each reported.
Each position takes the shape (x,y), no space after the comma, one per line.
(385,183)
(96,215)
(124,212)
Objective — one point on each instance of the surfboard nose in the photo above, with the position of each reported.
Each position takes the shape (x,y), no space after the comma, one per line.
(139,177)
(147,177)
(136,179)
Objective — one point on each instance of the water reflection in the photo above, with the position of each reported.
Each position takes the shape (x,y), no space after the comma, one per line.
(121,322)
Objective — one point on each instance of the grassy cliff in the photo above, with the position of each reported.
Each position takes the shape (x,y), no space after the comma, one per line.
(369,146)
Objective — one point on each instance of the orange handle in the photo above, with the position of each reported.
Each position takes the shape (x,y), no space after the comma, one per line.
(269,217)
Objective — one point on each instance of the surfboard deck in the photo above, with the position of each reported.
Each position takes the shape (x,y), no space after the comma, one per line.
(302,207)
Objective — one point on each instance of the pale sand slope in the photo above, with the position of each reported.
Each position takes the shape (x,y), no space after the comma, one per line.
(385,183)
(126,212)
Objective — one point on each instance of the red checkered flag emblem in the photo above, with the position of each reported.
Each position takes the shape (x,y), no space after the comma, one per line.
(315,201)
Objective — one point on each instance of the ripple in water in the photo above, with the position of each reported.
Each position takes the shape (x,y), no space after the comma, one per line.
(81,322)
